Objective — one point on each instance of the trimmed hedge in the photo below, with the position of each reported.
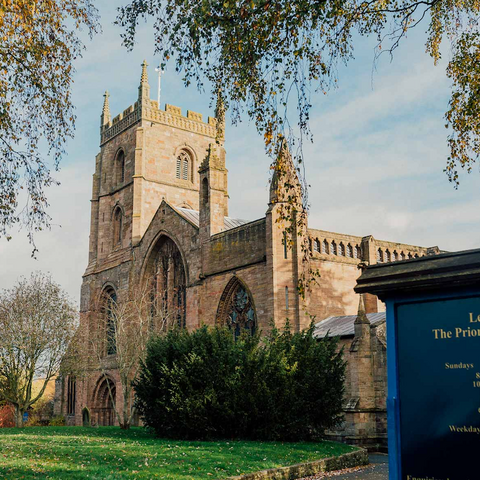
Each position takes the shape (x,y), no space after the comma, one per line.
(205,384)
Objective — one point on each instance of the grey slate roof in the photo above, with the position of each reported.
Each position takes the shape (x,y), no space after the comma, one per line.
(344,326)
(194,217)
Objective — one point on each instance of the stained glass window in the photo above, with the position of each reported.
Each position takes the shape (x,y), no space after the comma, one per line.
(236,309)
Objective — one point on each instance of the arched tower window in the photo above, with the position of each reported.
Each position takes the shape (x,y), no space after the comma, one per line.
(117,226)
(341,249)
(349,251)
(388,258)
(109,307)
(357,252)
(184,165)
(316,245)
(236,308)
(120,166)
(167,274)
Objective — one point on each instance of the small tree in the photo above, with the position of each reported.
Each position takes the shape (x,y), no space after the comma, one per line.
(118,338)
(37,323)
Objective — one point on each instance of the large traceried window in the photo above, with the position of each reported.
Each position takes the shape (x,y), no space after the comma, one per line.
(184,165)
(168,285)
(236,309)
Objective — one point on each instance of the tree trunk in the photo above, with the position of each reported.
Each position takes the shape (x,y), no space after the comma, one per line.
(18,417)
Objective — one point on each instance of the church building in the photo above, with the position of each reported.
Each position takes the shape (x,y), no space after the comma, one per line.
(160,213)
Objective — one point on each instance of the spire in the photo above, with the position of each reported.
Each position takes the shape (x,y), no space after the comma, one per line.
(144,88)
(285,186)
(105,117)
(361,316)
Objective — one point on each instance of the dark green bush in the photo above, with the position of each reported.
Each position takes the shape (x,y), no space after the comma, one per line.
(204,384)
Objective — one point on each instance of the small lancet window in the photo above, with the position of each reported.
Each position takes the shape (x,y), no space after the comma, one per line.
(349,251)
(71,395)
(387,256)
(379,256)
(410,256)
(357,253)
(341,250)
(183,165)
(316,245)
(120,166)
(394,256)
(117,226)
(402,256)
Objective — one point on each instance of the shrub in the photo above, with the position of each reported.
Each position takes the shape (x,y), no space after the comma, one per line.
(57,421)
(7,416)
(206,384)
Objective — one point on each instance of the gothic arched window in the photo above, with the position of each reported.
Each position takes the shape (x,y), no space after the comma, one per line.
(236,309)
(120,166)
(341,249)
(110,302)
(325,246)
(349,251)
(184,165)
(357,253)
(117,226)
(333,248)
(316,245)
(168,285)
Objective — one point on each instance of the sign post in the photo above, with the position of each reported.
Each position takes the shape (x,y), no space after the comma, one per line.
(433,361)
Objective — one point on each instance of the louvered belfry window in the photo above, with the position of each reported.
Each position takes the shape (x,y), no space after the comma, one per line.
(183,166)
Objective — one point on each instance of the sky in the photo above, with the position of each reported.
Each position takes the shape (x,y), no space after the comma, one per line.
(375,166)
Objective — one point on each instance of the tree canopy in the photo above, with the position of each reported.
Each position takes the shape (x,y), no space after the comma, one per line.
(38,45)
(268,55)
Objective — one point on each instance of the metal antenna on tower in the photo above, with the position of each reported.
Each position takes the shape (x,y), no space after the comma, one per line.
(160,72)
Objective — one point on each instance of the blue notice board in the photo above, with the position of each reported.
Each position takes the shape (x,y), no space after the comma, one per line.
(434,386)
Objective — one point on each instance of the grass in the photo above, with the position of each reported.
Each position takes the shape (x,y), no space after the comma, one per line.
(110,453)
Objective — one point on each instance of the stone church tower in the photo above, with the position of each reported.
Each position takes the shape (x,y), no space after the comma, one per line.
(159,215)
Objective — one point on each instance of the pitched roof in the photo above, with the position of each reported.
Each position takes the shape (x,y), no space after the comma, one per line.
(343,326)
(194,217)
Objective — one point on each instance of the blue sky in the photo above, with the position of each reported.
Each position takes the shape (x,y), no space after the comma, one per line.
(375,167)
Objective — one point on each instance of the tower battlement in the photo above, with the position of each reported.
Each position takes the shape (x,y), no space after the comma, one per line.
(171,116)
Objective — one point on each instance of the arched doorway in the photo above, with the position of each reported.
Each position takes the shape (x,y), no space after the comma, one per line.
(166,274)
(105,403)
(236,308)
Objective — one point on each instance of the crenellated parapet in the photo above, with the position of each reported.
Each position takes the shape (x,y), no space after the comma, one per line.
(146,109)
(171,116)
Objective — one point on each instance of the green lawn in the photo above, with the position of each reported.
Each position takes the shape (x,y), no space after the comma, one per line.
(110,453)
